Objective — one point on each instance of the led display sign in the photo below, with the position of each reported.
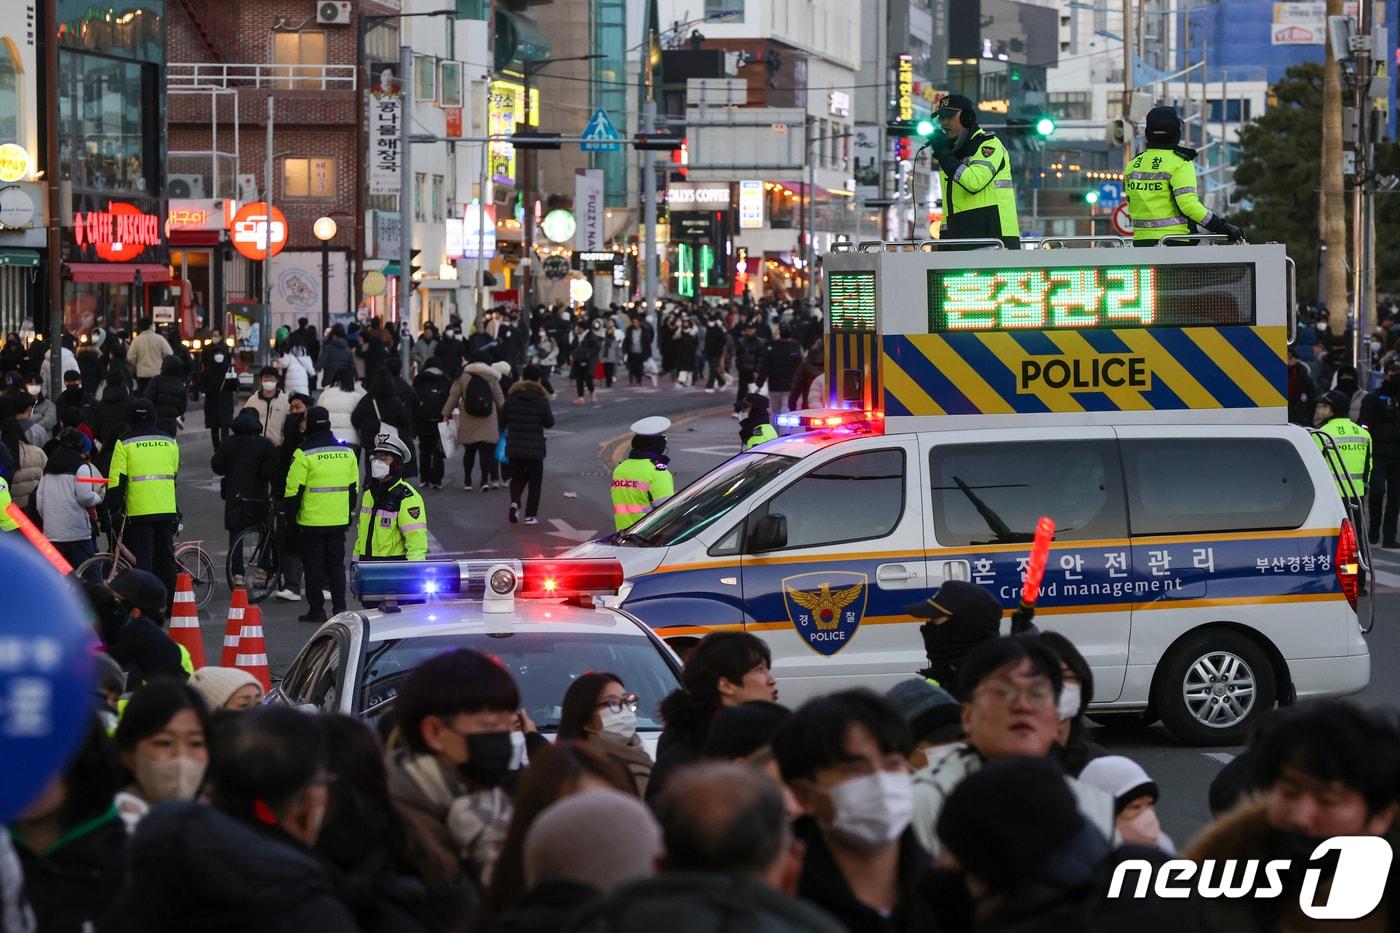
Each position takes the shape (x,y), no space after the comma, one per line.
(851,301)
(1092,297)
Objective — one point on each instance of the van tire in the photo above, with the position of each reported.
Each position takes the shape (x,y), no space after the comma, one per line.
(1230,680)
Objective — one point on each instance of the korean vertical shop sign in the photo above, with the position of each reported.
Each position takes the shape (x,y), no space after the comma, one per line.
(385,112)
(905,86)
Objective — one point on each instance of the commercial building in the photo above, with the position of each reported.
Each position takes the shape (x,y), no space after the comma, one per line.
(23,201)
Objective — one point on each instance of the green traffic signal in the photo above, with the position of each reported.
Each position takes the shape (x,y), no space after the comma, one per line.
(1045,127)
(1091,197)
(924,128)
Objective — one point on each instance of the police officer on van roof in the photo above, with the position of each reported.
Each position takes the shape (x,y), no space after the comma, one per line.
(979,197)
(1161,186)
(393,519)
(644,479)
(1352,440)
(321,488)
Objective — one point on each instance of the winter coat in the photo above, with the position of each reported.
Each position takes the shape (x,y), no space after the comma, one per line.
(583,353)
(702,902)
(218,381)
(546,352)
(630,339)
(71,886)
(748,353)
(341,405)
(612,347)
(780,365)
(143,649)
(297,370)
(113,410)
(684,348)
(682,742)
(422,351)
(169,393)
(470,428)
(191,866)
(247,461)
(147,351)
(335,356)
(431,388)
(714,340)
(28,471)
(44,414)
(547,908)
(632,755)
(371,414)
(823,885)
(65,358)
(271,413)
(62,501)
(525,416)
(373,352)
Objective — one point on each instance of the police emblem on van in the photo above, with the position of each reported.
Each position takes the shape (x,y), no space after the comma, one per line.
(826,608)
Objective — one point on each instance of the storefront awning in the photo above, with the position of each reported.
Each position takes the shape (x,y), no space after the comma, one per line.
(19,257)
(117,272)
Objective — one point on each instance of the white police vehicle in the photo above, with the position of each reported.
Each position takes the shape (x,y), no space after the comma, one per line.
(547,621)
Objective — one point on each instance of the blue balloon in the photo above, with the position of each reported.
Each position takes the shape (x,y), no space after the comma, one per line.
(46,672)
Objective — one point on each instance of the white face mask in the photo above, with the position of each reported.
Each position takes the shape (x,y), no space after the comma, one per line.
(34,390)
(872,811)
(218,357)
(1321,325)
(1069,701)
(175,778)
(1143,829)
(269,385)
(378,469)
(621,725)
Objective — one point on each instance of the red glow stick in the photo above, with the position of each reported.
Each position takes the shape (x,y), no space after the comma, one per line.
(36,538)
(1040,553)
(94,480)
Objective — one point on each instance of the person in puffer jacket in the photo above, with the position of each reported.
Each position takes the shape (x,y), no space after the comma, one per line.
(340,398)
(248,463)
(66,505)
(169,393)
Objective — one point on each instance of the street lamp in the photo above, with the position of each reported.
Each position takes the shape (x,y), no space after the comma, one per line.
(324,228)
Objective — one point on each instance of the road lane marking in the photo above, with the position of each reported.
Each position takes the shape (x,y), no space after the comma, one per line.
(1223,757)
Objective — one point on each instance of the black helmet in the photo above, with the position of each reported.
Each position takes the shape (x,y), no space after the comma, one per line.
(1163,127)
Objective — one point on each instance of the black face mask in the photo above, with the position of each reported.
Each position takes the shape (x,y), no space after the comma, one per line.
(489,757)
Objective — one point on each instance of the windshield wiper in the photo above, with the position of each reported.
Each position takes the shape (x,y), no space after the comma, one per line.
(1003,532)
(627,537)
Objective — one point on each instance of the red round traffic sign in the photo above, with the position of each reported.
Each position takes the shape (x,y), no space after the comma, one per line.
(258,231)
(1122,220)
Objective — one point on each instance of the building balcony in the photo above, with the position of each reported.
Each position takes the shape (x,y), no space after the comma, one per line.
(209,75)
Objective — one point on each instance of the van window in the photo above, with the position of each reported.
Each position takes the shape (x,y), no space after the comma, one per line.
(852,498)
(1186,485)
(995,493)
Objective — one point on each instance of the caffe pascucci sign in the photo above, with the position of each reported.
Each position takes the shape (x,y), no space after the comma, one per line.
(118,234)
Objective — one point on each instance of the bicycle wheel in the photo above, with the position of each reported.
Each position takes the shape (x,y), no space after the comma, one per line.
(260,562)
(100,568)
(195,561)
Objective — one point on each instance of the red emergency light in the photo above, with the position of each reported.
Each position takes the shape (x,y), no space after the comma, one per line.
(569,578)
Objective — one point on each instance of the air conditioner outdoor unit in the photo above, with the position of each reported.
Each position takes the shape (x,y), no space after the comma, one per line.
(185,186)
(247,188)
(333,12)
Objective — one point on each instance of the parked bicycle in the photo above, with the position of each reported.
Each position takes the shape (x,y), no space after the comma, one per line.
(255,559)
(190,558)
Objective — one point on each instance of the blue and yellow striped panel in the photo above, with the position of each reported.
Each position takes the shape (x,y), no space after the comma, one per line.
(1036,372)
(846,351)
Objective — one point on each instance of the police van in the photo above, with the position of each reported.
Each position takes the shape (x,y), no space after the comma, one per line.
(1204,561)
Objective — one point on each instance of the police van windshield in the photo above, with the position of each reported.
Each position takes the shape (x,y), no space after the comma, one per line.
(706,500)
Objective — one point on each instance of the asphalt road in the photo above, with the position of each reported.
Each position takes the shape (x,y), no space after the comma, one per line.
(583,446)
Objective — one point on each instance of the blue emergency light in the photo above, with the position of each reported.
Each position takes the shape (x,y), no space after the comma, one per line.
(827,419)
(402,579)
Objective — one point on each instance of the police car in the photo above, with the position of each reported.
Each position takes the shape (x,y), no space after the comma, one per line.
(1204,562)
(546,620)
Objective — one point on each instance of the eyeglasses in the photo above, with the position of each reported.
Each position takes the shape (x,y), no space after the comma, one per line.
(616,704)
(1007,694)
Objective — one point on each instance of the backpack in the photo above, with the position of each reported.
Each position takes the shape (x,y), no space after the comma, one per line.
(432,396)
(477,400)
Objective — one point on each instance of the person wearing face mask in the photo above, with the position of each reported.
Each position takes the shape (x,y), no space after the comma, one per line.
(130,613)
(599,710)
(846,758)
(320,491)
(1135,798)
(271,404)
(960,616)
(1072,747)
(218,382)
(246,464)
(246,859)
(162,741)
(289,545)
(393,519)
(461,733)
(45,412)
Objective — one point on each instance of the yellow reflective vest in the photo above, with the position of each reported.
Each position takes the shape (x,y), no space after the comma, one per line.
(325,478)
(979,197)
(1354,446)
(638,484)
(6,523)
(143,472)
(764,432)
(1162,198)
(393,523)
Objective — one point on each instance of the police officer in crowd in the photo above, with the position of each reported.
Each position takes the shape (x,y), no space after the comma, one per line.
(321,486)
(1352,440)
(757,425)
(978,195)
(142,487)
(6,522)
(1160,184)
(393,519)
(644,478)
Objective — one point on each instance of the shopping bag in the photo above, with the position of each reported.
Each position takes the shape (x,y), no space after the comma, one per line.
(501,447)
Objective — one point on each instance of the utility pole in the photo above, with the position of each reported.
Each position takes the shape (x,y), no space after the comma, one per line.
(649,262)
(1362,265)
(52,184)
(267,240)
(1128,26)
(1333,230)
(406,191)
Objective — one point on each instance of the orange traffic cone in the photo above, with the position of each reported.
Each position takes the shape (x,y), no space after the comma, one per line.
(252,652)
(184,620)
(236,607)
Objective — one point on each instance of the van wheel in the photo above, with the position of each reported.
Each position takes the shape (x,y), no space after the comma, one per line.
(1212,686)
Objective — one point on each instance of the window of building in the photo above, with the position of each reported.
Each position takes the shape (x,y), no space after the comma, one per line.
(107,133)
(729,11)
(424,77)
(1071,105)
(382,44)
(439,198)
(308,178)
(1235,110)
(301,57)
(12,91)
(420,181)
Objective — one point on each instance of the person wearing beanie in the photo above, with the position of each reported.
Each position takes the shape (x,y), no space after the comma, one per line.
(756,425)
(525,416)
(1353,443)
(1135,797)
(227,688)
(960,616)
(1161,186)
(643,479)
(321,486)
(932,714)
(978,193)
(141,486)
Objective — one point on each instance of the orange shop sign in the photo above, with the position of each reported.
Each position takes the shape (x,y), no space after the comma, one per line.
(118,234)
(259,231)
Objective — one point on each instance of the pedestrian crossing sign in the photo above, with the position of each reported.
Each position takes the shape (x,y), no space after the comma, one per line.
(600,135)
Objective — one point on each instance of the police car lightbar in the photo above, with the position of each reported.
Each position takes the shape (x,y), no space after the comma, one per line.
(530,578)
(826,419)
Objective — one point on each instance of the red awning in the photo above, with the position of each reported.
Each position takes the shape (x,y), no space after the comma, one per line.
(117,272)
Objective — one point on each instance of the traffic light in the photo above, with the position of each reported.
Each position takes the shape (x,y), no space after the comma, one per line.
(906,149)
(1045,127)
(535,140)
(658,142)
(1091,198)
(925,128)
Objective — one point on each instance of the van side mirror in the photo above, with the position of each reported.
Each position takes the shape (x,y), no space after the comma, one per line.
(769,534)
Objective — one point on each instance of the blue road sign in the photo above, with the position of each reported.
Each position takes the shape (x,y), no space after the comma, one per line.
(600,127)
(1110,193)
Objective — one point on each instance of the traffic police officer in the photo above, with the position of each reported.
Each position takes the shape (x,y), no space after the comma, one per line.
(979,199)
(757,425)
(643,479)
(6,522)
(142,486)
(393,520)
(1352,440)
(321,486)
(1160,184)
